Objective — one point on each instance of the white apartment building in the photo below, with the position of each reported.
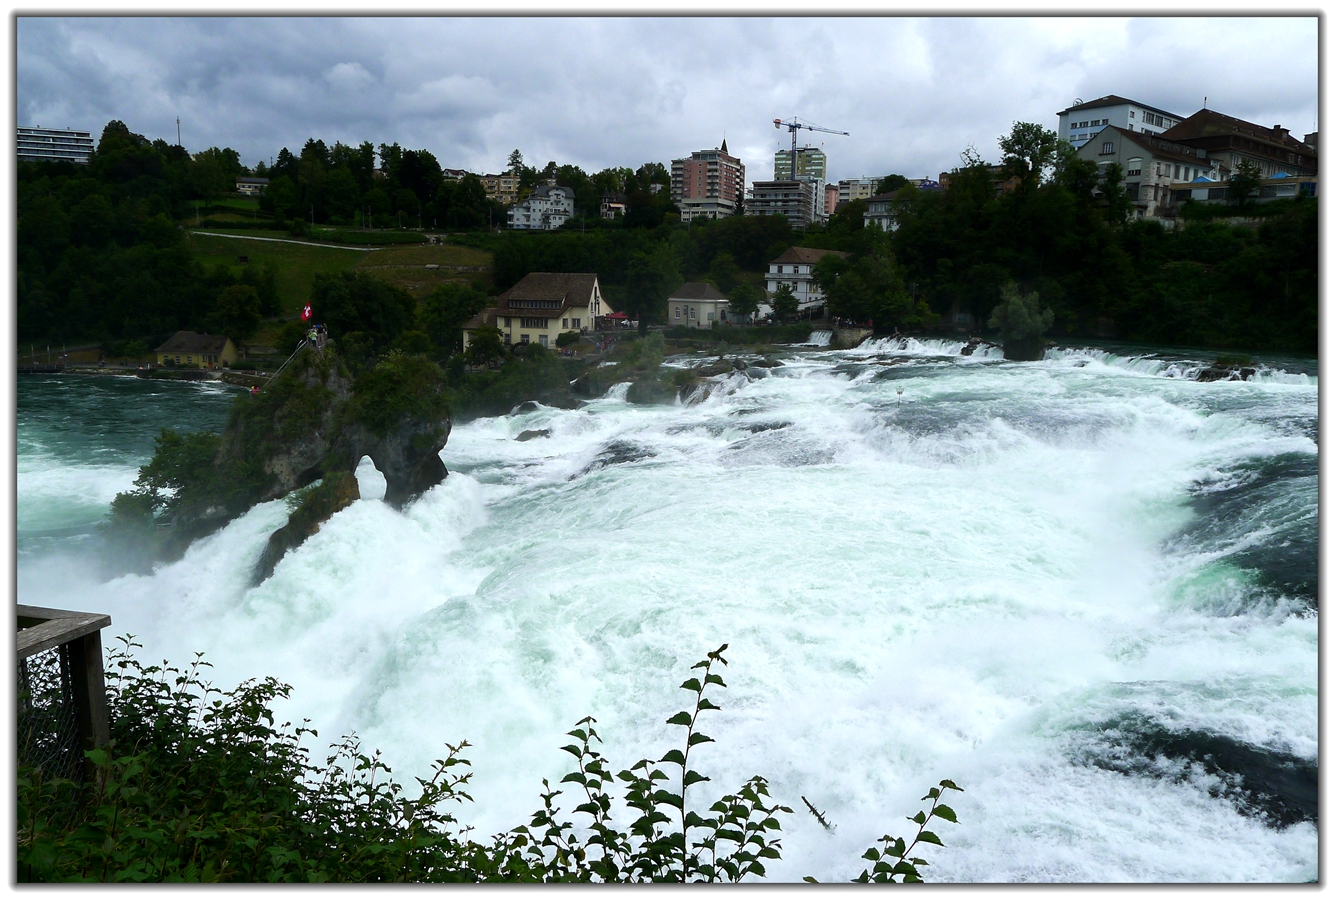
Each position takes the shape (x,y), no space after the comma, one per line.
(1078,123)
(54,145)
(793,268)
(546,209)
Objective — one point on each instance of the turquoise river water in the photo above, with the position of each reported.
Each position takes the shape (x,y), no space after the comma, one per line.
(1084,589)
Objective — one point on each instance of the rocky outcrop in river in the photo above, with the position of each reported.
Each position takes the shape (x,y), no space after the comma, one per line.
(314,421)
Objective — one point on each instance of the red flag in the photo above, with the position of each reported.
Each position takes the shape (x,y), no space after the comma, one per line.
(306,312)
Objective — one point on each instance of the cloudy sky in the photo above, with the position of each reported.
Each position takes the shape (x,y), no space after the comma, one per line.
(596,92)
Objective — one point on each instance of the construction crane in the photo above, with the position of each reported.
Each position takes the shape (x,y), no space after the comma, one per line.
(793,127)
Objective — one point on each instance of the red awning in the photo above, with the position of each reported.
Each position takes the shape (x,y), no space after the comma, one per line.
(617,315)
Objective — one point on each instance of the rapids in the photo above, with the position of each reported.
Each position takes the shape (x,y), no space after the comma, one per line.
(1084,589)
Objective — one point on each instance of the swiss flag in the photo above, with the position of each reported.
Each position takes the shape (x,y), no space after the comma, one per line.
(306,312)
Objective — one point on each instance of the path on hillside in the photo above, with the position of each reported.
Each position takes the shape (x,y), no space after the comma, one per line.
(247,237)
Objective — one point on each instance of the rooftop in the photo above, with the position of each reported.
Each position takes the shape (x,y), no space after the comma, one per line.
(805,255)
(1115,100)
(190,342)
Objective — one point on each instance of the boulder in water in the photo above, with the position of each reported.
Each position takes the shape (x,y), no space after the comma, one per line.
(532,433)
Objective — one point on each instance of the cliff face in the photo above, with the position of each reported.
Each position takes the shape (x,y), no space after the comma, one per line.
(314,421)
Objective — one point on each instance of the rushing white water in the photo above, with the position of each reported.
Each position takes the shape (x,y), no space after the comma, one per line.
(1040,580)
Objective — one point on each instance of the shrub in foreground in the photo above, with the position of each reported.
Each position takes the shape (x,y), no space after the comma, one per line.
(199,785)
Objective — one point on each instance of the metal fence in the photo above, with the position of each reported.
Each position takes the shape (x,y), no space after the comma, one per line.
(62,703)
(48,726)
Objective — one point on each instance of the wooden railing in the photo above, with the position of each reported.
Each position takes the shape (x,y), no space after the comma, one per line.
(67,694)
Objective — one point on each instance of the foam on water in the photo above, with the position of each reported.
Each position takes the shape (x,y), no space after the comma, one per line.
(925,568)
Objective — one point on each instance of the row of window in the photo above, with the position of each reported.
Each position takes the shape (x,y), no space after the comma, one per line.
(1091,124)
(1150,118)
(689,313)
(527,322)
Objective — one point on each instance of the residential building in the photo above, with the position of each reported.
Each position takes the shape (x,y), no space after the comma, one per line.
(546,209)
(454,174)
(250,186)
(798,200)
(863,188)
(881,212)
(1228,141)
(831,198)
(793,268)
(697,304)
(1078,123)
(612,205)
(541,306)
(503,188)
(709,184)
(1310,140)
(54,145)
(810,165)
(1150,165)
(186,348)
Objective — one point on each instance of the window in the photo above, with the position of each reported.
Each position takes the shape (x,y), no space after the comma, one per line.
(532,323)
(1133,191)
(1105,122)
(1133,115)
(542,339)
(523,339)
(1158,169)
(565,323)
(711,317)
(691,310)
(1177,173)
(507,321)
(1107,147)
(676,312)
(574,323)
(1133,166)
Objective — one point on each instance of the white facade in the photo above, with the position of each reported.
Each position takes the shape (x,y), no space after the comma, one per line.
(1150,165)
(546,209)
(54,145)
(881,212)
(794,268)
(1078,123)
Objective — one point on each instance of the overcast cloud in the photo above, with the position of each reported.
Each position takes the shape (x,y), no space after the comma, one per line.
(600,92)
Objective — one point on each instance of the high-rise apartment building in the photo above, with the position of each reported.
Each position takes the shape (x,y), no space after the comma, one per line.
(711,183)
(802,202)
(810,165)
(54,145)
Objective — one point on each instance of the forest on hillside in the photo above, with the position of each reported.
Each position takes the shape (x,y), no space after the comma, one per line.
(102,255)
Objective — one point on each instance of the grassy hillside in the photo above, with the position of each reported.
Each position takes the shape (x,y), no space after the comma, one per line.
(297,263)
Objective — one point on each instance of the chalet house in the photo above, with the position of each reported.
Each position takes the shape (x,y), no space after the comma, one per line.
(793,268)
(186,348)
(697,304)
(541,306)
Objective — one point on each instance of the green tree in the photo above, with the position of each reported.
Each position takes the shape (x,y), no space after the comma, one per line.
(485,347)
(515,164)
(236,313)
(784,303)
(445,310)
(1021,322)
(1027,151)
(356,302)
(1246,178)
(724,272)
(890,183)
(650,280)
(1119,204)
(744,300)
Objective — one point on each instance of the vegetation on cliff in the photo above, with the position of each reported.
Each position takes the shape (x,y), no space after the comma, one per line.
(199,785)
(315,419)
